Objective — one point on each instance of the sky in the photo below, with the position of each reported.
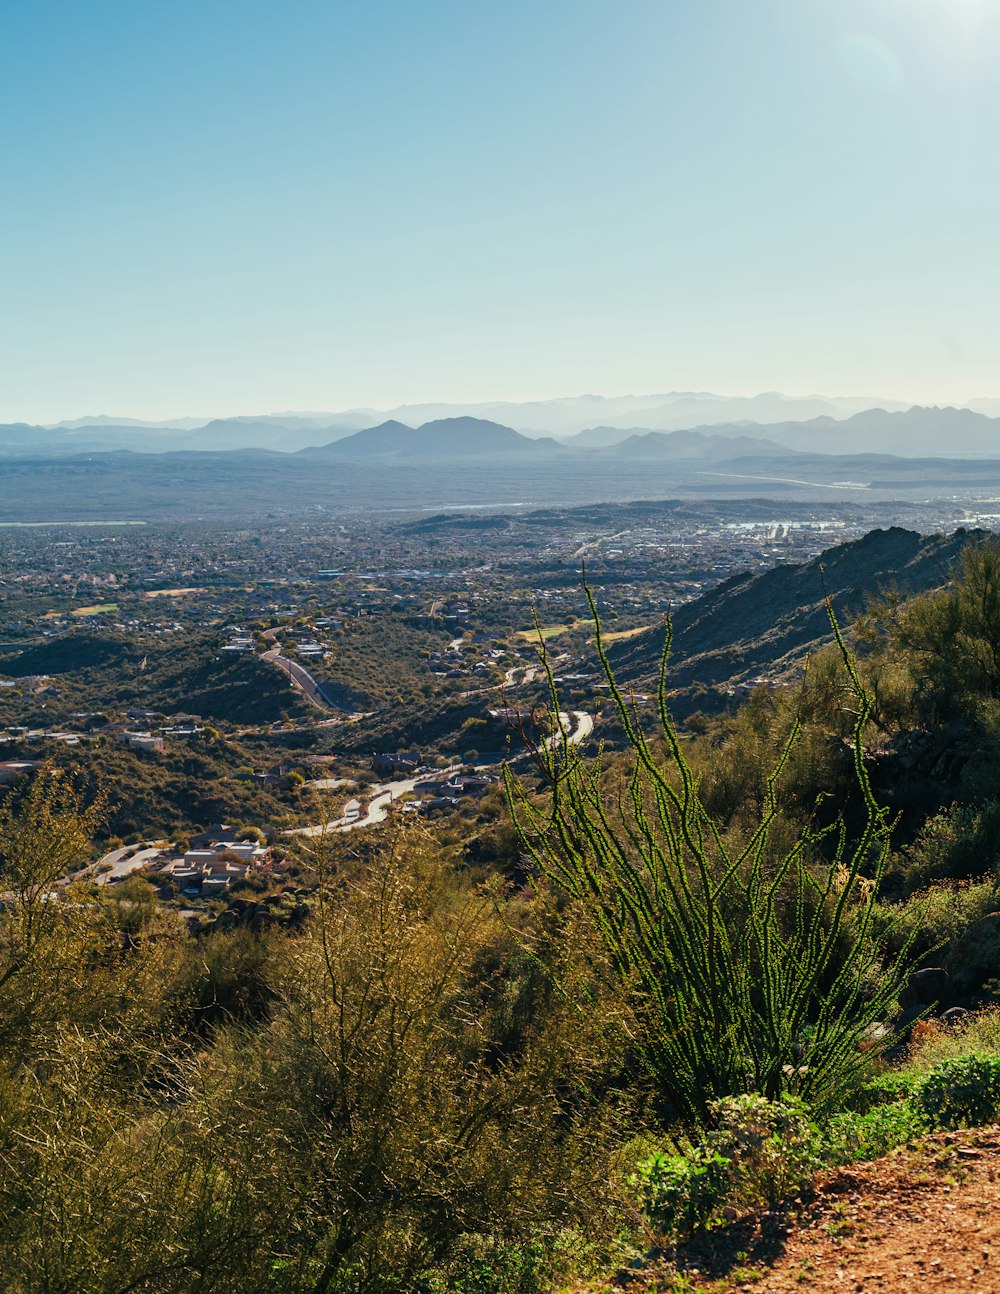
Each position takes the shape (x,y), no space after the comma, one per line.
(235,206)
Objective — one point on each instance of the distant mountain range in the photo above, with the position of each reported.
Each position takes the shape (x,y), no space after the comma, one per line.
(672,411)
(691,446)
(754,425)
(910,433)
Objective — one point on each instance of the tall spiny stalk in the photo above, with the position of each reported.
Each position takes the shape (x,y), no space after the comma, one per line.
(751,972)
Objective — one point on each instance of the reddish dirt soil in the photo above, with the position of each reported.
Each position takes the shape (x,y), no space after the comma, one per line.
(925,1218)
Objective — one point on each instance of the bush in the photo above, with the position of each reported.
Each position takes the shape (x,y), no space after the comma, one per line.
(960,1093)
(960,842)
(851,1137)
(771,1145)
(977,1034)
(760,1152)
(681,1193)
(752,962)
(896,1085)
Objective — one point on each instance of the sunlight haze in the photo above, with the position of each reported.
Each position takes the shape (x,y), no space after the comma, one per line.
(216,206)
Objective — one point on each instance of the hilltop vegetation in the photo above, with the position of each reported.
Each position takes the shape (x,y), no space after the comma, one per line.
(185,673)
(767,624)
(697,972)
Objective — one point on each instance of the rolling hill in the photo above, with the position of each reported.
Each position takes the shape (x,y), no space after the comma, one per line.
(764,625)
(692,446)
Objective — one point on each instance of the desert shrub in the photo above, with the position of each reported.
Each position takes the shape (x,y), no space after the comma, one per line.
(961,842)
(893,1085)
(419,1112)
(850,1136)
(750,968)
(960,1093)
(681,1193)
(411,1106)
(759,1152)
(770,1145)
(950,639)
(955,923)
(227,977)
(976,1033)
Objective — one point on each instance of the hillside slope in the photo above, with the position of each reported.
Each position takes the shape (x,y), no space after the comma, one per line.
(752,625)
(106,671)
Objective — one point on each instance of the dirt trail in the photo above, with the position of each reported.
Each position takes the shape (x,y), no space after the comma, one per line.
(922,1219)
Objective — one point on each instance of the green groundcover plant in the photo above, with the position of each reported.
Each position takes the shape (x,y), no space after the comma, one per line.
(761,1152)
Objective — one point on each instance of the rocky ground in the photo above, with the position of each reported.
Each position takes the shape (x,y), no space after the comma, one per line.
(925,1218)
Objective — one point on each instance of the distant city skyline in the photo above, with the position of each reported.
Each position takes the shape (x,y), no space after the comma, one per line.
(217,207)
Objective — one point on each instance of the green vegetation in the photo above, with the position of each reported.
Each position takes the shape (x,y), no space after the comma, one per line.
(758,1153)
(383,657)
(761,1152)
(392,1099)
(184,674)
(494,1055)
(176,791)
(750,956)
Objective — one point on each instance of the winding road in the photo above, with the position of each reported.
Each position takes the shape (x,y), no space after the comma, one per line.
(382,796)
(300,676)
(584,727)
(123,862)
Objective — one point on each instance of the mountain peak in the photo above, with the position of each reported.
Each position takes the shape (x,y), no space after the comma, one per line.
(457,437)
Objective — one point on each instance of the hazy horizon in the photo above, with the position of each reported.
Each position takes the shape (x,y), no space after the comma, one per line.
(180,419)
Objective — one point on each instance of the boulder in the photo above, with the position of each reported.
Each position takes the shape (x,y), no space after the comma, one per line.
(974,957)
(926,987)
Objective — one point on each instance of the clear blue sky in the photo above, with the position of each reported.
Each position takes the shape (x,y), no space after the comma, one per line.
(215,206)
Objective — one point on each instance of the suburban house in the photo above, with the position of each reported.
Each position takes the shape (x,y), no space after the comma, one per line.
(141,741)
(211,868)
(247,852)
(403,762)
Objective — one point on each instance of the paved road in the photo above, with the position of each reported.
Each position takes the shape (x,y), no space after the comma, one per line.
(529,674)
(584,727)
(119,866)
(380,798)
(300,677)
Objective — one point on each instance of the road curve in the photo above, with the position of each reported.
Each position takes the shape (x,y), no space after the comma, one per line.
(118,865)
(382,794)
(584,727)
(301,678)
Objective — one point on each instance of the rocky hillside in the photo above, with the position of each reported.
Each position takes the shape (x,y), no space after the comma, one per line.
(763,626)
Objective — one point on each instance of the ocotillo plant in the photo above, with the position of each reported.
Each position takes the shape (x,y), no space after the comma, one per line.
(752,967)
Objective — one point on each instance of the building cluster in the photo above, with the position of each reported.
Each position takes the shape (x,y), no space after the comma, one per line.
(240,640)
(445,792)
(211,867)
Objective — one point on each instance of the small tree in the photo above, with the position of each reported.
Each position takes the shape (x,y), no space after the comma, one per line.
(752,967)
